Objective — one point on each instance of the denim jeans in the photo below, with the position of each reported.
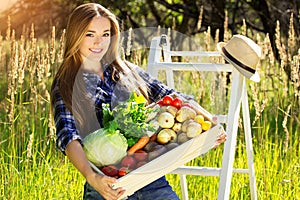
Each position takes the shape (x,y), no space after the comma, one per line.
(157,190)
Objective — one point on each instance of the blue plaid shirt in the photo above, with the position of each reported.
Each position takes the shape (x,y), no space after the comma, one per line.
(101,91)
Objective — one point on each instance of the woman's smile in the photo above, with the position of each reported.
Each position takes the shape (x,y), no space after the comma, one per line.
(96,50)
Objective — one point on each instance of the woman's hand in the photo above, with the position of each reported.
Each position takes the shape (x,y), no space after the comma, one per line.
(103,185)
(220,139)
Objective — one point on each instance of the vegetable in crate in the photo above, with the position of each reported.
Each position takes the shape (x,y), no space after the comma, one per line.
(129,118)
(105,148)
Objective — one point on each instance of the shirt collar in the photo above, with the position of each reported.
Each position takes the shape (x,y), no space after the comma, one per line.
(93,80)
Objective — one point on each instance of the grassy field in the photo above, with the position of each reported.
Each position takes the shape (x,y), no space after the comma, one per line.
(32,168)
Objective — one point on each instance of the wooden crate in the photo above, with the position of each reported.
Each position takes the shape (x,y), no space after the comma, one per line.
(169,161)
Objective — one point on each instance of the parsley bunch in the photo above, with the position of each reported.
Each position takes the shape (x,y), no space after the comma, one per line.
(129,118)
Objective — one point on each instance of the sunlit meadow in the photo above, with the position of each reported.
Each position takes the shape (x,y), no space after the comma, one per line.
(32,168)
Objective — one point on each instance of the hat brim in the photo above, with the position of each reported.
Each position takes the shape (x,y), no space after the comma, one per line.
(252,76)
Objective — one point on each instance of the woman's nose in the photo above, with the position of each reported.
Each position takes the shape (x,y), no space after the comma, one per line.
(98,40)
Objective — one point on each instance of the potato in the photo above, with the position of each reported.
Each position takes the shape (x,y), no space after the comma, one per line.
(163,137)
(185,124)
(185,113)
(172,145)
(193,129)
(177,127)
(163,109)
(173,135)
(171,109)
(166,135)
(166,120)
(150,146)
(182,137)
(157,151)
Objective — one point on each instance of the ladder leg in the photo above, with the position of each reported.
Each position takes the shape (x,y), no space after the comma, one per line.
(170,79)
(249,147)
(232,127)
(184,189)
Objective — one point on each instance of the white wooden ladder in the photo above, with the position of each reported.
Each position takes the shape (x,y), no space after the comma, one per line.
(238,96)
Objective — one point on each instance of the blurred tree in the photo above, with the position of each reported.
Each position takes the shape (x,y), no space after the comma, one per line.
(43,14)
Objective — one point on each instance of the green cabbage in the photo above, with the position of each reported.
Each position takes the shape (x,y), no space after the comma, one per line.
(104,148)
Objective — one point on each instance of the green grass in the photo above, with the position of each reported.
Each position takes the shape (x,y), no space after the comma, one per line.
(32,168)
(276,174)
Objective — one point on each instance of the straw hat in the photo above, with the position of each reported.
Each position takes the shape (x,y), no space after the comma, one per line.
(243,53)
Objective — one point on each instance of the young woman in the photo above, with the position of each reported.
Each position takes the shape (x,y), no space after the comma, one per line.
(92,73)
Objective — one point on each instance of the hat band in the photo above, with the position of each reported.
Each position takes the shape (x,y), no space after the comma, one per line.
(229,56)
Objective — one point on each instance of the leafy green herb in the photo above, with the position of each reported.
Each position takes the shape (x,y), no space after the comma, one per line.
(109,123)
(129,118)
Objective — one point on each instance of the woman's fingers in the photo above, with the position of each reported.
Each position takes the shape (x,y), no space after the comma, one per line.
(222,138)
(103,184)
(111,193)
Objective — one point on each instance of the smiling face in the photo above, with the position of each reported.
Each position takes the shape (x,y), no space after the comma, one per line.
(96,40)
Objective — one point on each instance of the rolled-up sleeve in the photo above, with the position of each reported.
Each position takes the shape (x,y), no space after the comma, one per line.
(66,130)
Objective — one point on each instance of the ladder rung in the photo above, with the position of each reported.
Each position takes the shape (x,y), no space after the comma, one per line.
(208,67)
(204,171)
(193,53)
(222,119)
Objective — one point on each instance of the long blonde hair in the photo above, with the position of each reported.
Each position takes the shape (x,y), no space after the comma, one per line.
(67,75)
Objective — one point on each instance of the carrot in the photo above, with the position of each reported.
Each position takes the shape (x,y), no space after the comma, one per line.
(139,145)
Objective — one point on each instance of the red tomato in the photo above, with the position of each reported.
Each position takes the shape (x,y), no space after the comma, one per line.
(177,103)
(123,171)
(129,162)
(110,170)
(160,102)
(140,155)
(167,100)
